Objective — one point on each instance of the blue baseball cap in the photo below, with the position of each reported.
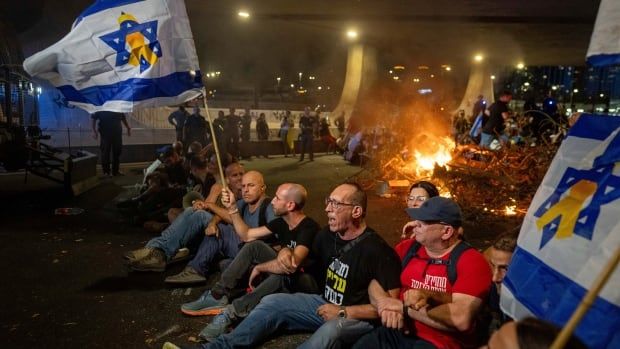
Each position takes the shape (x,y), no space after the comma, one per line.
(438,209)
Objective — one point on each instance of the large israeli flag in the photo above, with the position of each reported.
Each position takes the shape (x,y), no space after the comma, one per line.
(570,231)
(123,54)
(605,42)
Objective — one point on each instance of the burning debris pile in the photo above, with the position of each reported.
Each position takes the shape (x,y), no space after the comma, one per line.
(485,183)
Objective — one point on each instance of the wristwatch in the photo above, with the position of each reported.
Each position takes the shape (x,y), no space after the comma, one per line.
(342,313)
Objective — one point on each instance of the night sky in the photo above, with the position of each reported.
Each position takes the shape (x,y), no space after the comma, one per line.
(283,37)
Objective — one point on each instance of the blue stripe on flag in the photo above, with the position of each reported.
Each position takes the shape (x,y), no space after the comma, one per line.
(102,5)
(552,296)
(603,60)
(134,89)
(597,127)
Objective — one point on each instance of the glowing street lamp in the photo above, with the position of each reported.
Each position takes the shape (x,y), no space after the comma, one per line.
(478,58)
(492,77)
(520,65)
(352,34)
(243,14)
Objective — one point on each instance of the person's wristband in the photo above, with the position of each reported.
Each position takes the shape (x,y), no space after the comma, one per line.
(236,210)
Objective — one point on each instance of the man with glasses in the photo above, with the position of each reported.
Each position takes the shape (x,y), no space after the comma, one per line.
(293,231)
(444,283)
(348,256)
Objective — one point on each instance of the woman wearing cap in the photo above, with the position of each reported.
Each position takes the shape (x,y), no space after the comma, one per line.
(418,193)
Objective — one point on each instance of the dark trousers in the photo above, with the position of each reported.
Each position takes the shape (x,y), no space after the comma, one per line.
(179,133)
(307,141)
(387,338)
(113,146)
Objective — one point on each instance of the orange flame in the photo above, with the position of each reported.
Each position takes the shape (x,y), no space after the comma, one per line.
(437,150)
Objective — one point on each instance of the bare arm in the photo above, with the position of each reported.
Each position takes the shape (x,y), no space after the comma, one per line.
(457,315)
(94,126)
(124,121)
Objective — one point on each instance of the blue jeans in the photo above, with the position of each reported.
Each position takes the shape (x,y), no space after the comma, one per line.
(485,140)
(294,312)
(211,247)
(185,231)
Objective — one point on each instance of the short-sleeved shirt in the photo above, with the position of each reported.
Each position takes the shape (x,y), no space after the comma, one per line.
(348,275)
(303,234)
(473,278)
(252,219)
(109,123)
(495,123)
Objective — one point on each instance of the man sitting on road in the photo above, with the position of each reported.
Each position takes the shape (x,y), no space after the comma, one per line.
(348,256)
(186,230)
(444,283)
(255,210)
(293,230)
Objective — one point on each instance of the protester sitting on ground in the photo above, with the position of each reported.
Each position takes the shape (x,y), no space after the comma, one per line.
(498,255)
(293,230)
(529,333)
(157,199)
(201,179)
(444,283)
(349,255)
(255,210)
(186,231)
(419,192)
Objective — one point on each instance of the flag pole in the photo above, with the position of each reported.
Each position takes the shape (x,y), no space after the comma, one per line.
(587,301)
(214,140)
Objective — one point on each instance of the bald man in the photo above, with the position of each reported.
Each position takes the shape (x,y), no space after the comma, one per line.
(292,229)
(220,236)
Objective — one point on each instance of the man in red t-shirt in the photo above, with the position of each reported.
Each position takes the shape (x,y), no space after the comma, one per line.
(432,311)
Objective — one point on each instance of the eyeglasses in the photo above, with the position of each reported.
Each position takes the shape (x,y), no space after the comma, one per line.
(336,204)
(416,198)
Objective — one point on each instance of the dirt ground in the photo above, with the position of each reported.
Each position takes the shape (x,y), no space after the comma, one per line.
(64,284)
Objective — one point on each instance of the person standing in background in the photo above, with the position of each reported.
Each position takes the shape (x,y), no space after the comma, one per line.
(111,142)
(177,119)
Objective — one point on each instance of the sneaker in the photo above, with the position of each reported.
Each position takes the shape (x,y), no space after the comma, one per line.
(155,261)
(188,276)
(218,326)
(136,255)
(181,255)
(205,305)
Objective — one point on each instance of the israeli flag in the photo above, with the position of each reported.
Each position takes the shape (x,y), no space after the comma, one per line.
(604,47)
(123,54)
(570,232)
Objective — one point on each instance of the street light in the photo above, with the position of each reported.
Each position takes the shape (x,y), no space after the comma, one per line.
(520,65)
(352,34)
(243,14)
(478,58)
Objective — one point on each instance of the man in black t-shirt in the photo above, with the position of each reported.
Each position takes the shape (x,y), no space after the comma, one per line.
(293,231)
(111,132)
(494,127)
(349,255)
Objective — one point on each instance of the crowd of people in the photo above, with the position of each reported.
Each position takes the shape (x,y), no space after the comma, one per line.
(232,130)
(281,271)
(494,126)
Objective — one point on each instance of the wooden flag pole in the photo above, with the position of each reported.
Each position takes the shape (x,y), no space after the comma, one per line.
(587,301)
(214,140)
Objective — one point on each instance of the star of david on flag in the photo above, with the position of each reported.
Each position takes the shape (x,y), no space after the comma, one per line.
(124,54)
(570,232)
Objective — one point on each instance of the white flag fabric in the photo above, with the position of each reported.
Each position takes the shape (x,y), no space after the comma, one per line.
(604,46)
(571,230)
(124,54)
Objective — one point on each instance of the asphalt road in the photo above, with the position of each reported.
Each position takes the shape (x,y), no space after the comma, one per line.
(64,284)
